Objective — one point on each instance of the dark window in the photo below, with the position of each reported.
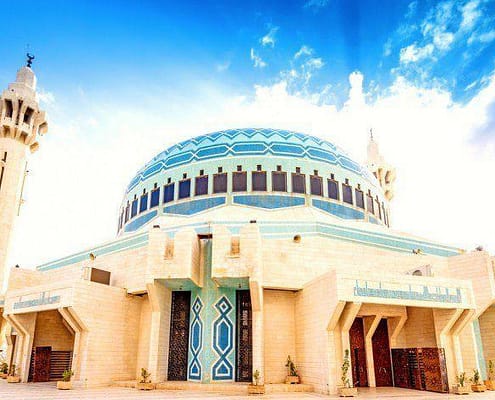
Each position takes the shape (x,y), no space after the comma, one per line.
(369,204)
(239,168)
(201,172)
(378,212)
(169,180)
(168,192)
(121,217)
(9,110)
(333,189)
(259,168)
(184,188)
(220,183)
(155,197)
(127,212)
(316,185)
(298,170)
(347,193)
(184,176)
(359,198)
(28,115)
(259,181)
(220,170)
(279,181)
(298,183)
(143,205)
(134,208)
(201,186)
(239,181)
(279,168)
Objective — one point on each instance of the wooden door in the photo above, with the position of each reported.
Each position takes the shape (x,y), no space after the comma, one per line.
(41,364)
(401,368)
(179,336)
(244,345)
(381,355)
(435,371)
(358,353)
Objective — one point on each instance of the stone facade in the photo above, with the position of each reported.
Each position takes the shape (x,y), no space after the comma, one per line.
(312,263)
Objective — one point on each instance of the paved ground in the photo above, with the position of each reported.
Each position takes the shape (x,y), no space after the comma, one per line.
(48,391)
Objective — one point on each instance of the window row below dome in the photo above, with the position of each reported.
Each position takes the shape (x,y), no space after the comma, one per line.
(340,191)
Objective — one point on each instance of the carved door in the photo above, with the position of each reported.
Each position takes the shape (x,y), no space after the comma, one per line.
(41,364)
(179,336)
(401,368)
(358,353)
(381,355)
(435,371)
(244,353)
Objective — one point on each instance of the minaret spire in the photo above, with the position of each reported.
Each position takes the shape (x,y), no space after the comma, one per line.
(384,172)
(22,123)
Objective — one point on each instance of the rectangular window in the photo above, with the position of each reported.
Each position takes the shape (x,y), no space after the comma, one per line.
(168,192)
(201,186)
(9,110)
(184,188)
(298,183)
(127,212)
(134,208)
(346,194)
(120,219)
(359,198)
(316,185)
(155,197)
(239,181)
(143,206)
(259,181)
(333,189)
(28,115)
(369,204)
(220,183)
(279,181)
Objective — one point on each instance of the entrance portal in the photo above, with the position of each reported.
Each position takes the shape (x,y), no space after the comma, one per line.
(381,355)
(179,336)
(358,353)
(244,351)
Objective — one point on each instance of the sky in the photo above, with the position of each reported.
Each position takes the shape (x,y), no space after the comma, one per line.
(121,81)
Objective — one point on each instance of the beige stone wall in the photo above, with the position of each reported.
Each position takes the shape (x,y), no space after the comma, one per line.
(280,334)
(469,349)
(487,328)
(51,331)
(144,336)
(419,329)
(110,343)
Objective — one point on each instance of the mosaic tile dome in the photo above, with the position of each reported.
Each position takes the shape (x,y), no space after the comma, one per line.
(198,174)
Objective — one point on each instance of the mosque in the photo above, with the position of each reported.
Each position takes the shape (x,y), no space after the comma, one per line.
(234,250)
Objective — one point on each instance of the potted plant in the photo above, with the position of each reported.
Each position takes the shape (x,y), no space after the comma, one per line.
(490,382)
(4,370)
(65,383)
(346,390)
(145,382)
(461,387)
(292,376)
(256,387)
(13,376)
(477,386)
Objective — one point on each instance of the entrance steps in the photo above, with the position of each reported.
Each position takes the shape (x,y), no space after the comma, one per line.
(234,387)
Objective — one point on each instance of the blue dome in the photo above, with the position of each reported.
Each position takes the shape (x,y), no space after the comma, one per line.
(250,142)
(259,168)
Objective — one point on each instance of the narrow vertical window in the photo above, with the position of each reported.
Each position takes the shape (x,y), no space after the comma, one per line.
(316,184)
(258,180)
(143,205)
(369,203)
(9,110)
(239,181)
(134,207)
(127,208)
(168,192)
(220,182)
(201,185)
(298,182)
(359,196)
(185,188)
(378,212)
(333,189)
(155,196)
(347,192)
(279,180)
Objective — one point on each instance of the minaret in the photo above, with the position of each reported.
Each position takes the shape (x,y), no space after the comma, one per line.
(384,172)
(21,124)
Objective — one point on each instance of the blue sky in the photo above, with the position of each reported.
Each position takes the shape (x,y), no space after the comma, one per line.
(121,81)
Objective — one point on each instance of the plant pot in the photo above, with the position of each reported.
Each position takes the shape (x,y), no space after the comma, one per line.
(3,376)
(145,386)
(13,379)
(256,389)
(490,385)
(291,380)
(347,391)
(478,388)
(62,385)
(462,389)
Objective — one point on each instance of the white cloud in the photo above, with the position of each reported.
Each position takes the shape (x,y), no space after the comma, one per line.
(316,4)
(442,40)
(487,37)
(470,13)
(223,66)
(413,53)
(387,48)
(45,97)
(303,51)
(257,60)
(269,38)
